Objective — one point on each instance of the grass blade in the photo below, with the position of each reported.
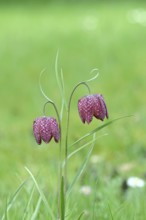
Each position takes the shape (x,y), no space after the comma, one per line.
(36,211)
(28,204)
(80,216)
(80,170)
(12,200)
(60,82)
(41,194)
(110,212)
(6,212)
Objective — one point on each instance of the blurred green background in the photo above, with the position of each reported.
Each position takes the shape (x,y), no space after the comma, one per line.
(107,35)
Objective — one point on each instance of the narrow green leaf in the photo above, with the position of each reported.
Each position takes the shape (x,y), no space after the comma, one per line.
(80,171)
(36,211)
(12,200)
(98,129)
(110,212)
(80,216)
(94,77)
(60,82)
(63,89)
(6,211)
(62,200)
(28,204)
(41,89)
(41,194)
(81,148)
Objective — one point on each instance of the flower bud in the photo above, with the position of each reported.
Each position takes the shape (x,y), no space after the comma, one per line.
(44,128)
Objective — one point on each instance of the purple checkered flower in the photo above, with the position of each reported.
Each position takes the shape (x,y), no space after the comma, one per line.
(92,105)
(44,128)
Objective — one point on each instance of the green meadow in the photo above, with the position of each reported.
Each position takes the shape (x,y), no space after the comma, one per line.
(108,36)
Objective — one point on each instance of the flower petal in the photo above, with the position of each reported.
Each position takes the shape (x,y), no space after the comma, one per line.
(55,129)
(45,129)
(100,109)
(85,108)
(36,130)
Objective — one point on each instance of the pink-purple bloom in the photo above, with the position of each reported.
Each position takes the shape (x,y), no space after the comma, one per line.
(44,128)
(92,105)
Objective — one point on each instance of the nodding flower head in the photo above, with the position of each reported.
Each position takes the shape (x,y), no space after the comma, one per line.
(92,105)
(44,128)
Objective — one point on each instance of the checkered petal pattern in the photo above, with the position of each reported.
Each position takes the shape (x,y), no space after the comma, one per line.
(44,128)
(92,106)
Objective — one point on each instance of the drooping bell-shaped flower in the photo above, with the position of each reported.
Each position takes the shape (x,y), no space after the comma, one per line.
(92,105)
(44,128)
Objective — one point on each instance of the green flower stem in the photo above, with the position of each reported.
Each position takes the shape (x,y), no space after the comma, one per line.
(67,127)
(63,169)
(60,154)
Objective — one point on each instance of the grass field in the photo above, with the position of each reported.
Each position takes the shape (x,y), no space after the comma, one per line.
(110,37)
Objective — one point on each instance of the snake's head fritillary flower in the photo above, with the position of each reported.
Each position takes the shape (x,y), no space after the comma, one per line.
(44,128)
(92,105)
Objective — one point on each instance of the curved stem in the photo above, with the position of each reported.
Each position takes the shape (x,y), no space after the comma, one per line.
(56,110)
(67,125)
(60,153)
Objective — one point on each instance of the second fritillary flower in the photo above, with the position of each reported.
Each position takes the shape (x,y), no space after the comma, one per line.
(92,105)
(44,128)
